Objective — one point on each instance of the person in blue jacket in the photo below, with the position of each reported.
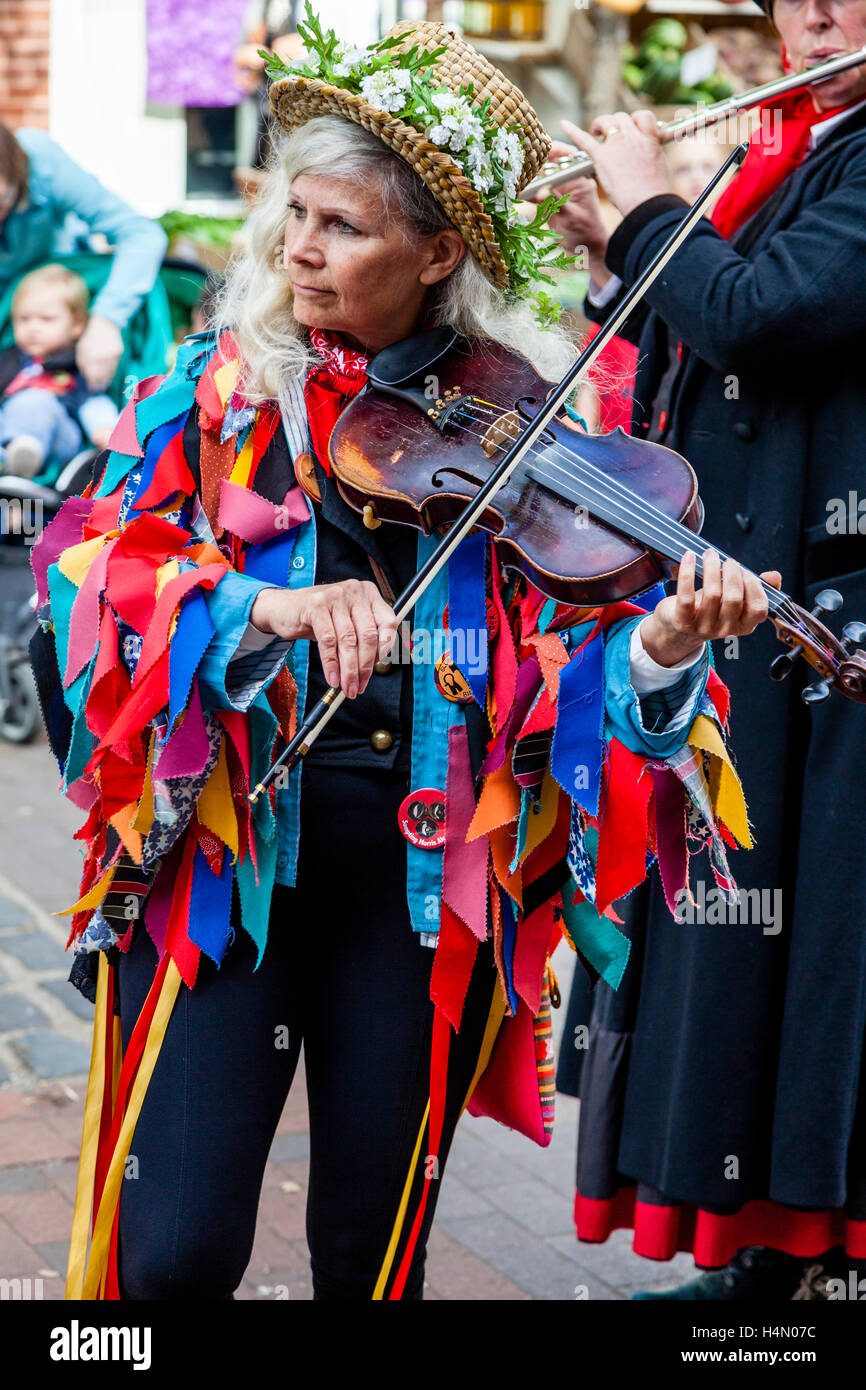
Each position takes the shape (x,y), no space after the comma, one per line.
(40,186)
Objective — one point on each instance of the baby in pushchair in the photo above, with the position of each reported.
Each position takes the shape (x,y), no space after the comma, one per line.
(47,411)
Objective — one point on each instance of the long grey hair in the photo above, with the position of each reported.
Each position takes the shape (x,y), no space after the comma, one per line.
(256,301)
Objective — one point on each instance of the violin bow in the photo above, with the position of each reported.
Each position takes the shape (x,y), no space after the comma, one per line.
(327,706)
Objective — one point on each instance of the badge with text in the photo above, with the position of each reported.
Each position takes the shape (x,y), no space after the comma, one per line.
(450,680)
(421,818)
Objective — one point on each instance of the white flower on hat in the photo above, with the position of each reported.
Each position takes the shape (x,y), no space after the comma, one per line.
(348,58)
(508,149)
(387,90)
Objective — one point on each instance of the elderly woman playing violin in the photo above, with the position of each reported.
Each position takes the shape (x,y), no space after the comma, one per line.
(393,905)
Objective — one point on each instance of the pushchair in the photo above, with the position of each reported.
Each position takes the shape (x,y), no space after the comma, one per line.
(28,504)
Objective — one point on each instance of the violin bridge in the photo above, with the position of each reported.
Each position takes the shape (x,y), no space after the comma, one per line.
(503,431)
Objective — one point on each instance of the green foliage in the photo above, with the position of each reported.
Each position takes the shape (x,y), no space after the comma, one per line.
(207,231)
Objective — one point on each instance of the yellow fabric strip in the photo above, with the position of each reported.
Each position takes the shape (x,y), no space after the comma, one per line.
(170,570)
(725,790)
(225,379)
(539,824)
(123,823)
(240,473)
(89,1142)
(93,897)
(144,815)
(101,1242)
(76,560)
(216,809)
(379,1291)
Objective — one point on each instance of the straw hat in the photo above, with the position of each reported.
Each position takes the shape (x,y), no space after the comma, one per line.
(297,99)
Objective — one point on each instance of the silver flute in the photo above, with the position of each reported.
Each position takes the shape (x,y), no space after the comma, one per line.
(581,166)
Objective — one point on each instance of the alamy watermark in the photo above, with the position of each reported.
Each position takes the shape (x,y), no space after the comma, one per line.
(747,907)
(21,516)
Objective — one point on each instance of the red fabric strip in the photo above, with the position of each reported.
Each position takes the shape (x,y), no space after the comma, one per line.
(623,830)
(452,965)
(172,474)
(534,936)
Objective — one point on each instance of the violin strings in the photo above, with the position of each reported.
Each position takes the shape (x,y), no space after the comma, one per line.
(670,529)
(660,528)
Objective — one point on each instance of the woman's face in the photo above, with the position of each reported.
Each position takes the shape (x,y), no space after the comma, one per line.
(351,268)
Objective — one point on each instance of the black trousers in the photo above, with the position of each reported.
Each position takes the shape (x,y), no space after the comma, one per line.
(343,974)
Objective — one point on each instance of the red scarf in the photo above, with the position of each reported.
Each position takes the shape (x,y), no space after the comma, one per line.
(329,387)
(766,166)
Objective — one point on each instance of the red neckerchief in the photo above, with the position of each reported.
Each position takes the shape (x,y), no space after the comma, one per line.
(329,387)
(764,169)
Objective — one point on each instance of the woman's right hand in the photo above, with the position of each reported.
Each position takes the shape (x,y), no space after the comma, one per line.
(351,623)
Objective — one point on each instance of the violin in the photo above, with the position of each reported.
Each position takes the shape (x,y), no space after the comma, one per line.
(430,442)
(587,519)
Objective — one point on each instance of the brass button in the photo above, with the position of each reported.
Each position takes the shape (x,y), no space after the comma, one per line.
(381,740)
(382,668)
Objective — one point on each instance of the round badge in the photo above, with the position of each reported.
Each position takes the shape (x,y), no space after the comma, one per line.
(421,818)
(450,680)
(492,617)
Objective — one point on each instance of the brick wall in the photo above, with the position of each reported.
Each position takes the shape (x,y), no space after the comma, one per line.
(24,58)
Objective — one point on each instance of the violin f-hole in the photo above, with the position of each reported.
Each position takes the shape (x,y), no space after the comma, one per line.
(463,473)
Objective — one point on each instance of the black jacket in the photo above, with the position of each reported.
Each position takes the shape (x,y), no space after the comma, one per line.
(729,1039)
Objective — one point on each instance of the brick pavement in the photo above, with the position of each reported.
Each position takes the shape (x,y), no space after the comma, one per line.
(503,1227)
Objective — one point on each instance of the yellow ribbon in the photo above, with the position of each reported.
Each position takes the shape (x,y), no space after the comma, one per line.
(89,1142)
(93,897)
(494,1019)
(101,1242)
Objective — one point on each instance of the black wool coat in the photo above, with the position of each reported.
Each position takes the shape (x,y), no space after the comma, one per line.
(738,1038)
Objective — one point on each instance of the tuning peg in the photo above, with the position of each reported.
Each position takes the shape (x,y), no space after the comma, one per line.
(783,665)
(828,601)
(815,694)
(853,635)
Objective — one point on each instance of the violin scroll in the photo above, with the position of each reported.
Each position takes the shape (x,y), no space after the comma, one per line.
(841,663)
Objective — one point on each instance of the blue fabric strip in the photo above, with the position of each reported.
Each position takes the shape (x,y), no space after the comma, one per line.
(577,755)
(467,612)
(509,938)
(191,639)
(270,560)
(210,905)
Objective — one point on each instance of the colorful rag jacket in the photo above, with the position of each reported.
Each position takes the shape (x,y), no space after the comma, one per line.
(162,725)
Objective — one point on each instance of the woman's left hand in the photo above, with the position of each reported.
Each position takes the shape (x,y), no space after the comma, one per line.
(99,350)
(731,603)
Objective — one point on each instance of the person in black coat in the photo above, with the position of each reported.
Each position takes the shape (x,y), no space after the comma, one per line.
(723,1095)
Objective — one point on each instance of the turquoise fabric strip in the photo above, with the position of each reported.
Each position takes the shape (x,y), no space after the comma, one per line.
(301,575)
(433,716)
